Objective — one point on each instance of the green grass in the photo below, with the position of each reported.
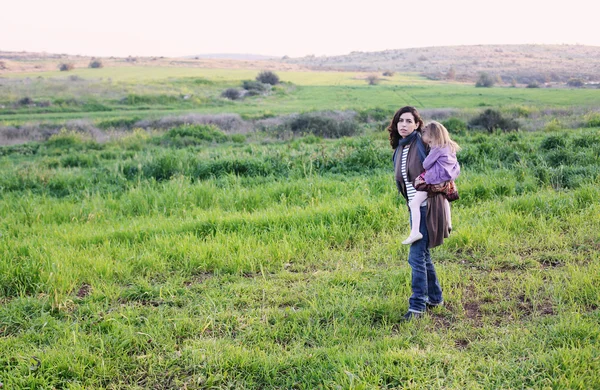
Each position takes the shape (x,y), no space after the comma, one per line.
(137,264)
(153,92)
(145,74)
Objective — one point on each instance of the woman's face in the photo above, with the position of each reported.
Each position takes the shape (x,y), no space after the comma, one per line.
(406,124)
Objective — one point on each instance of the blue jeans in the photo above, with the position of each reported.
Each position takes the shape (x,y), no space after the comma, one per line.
(425,285)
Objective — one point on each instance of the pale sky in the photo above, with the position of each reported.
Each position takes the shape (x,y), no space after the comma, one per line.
(293,28)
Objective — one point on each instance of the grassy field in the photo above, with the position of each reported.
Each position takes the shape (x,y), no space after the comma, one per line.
(191,257)
(134,264)
(147,92)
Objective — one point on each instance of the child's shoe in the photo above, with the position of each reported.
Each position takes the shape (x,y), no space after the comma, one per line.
(412,238)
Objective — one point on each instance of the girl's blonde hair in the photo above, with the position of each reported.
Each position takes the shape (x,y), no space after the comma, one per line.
(439,136)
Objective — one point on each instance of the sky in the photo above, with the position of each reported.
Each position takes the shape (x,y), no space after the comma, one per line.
(293,28)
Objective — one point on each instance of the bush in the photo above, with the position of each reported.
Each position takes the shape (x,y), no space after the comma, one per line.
(78,160)
(268,77)
(533,84)
(592,120)
(323,126)
(231,94)
(66,139)
(65,67)
(134,99)
(186,135)
(255,87)
(553,142)
(455,125)
(492,119)
(96,64)
(238,138)
(118,123)
(587,141)
(373,79)
(484,80)
(26,101)
(577,83)
(375,115)
(451,74)
(553,125)
(388,73)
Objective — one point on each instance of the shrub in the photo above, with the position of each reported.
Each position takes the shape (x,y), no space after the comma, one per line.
(592,120)
(268,77)
(136,140)
(373,79)
(78,160)
(134,99)
(65,67)
(231,94)
(26,101)
(375,115)
(96,64)
(455,125)
(451,74)
(388,73)
(553,142)
(118,123)
(484,80)
(577,83)
(238,138)
(186,135)
(255,87)
(492,119)
(323,125)
(533,84)
(587,141)
(553,125)
(65,139)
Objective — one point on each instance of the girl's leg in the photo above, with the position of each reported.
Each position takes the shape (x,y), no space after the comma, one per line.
(415,217)
(448,213)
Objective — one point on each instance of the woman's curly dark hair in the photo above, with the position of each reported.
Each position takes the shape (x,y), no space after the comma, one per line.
(393,127)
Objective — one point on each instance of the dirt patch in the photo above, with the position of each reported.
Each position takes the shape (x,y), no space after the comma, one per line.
(529,307)
(84,290)
(198,279)
(461,343)
(471,305)
(472,311)
(441,321)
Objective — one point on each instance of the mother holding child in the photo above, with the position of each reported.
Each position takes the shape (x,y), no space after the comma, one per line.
(425,168)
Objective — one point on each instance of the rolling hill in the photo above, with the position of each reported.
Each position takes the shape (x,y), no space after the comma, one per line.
(518,63)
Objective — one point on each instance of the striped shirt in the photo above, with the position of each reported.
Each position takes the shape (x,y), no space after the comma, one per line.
(410,190)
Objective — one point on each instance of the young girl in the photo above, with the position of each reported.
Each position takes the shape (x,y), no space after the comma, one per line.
(441,169)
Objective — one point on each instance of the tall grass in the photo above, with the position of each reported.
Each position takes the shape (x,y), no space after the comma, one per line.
(143,264)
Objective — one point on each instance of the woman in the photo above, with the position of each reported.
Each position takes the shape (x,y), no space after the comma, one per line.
(409,154)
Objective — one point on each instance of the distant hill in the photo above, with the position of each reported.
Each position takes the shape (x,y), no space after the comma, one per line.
(234,56)
(25,62)
(512,63)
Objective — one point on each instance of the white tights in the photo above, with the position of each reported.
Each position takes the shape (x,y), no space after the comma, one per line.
(415,216)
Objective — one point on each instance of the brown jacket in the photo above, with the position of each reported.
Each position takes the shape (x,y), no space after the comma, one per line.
(437,221)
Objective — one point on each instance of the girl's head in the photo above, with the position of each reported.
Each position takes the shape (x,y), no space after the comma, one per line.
(405,121)
(436,135)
